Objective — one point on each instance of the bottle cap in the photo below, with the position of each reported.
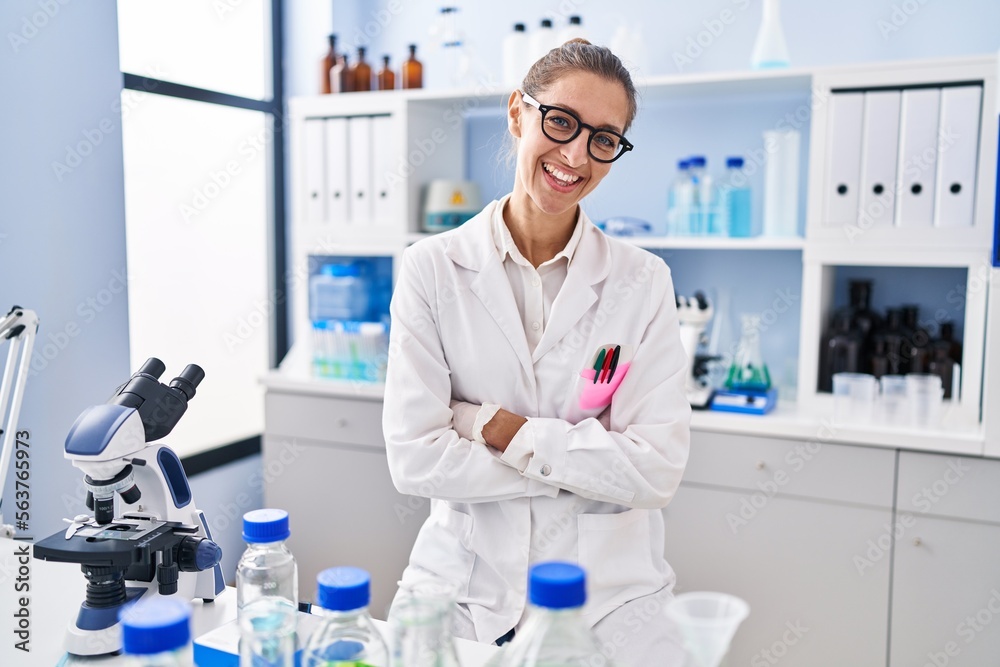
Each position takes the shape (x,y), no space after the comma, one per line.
(155,625)
(546,23)
(267,525)
(343,588)
(575,20)
(734,162)
(683,165)
(519,27)
(557,585)
(697,161)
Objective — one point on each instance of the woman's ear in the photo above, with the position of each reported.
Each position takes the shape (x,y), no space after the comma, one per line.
(514,110)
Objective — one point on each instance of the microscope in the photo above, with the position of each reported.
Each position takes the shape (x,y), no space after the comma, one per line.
(694,314)
(146,536)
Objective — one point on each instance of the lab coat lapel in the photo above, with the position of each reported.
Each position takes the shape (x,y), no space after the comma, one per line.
(591,264)
(472,247)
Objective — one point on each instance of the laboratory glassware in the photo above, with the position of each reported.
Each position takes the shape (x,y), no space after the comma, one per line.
(554,632)
(515,48)
(892,402)
(703,202)
(156,632)
(917,345)
(412,71)
(267,633)
(781,182)
(770,49)
(707,622)
(679,201)
(326,64)
(946,337)
(841,351)
(267,567)
(748,372)
(341,80)
(925,394)
(347,634)
(386,77)
(944,367)
(361,72)
(854,397)
(421,621)
(734,194)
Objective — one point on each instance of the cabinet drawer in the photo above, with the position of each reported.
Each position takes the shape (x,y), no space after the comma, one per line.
(324,418)
(791,467)
(954,486)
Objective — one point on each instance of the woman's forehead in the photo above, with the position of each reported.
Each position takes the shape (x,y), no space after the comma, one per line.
(596,100)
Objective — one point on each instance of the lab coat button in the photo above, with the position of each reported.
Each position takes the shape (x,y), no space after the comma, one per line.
(535,281)
(536,326)
(545,470)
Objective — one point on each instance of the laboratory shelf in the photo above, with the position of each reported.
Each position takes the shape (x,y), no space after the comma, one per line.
(691,242)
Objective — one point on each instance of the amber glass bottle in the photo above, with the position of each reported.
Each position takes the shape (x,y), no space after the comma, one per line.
(327,64)
(386,77)
(413,71)
(362,72)
(341,78)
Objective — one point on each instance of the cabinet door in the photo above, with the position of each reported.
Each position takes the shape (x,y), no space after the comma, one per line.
(344,510)
(946,593)
(337,190)
(796,563)
(313,170)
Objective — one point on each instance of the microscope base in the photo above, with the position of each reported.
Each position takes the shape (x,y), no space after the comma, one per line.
(97,631)
(699,398)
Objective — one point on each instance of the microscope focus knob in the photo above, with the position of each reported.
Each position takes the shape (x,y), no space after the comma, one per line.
(196,554)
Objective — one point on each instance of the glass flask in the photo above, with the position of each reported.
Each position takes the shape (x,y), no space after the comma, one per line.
(748,372)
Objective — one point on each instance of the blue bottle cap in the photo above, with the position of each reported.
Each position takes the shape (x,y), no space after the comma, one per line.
(343,588)
(155,625)
(267,525)
(557,585)
(734,162)
(682,165)
(697,161)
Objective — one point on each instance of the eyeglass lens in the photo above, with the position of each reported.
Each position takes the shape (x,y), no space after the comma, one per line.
(562,126)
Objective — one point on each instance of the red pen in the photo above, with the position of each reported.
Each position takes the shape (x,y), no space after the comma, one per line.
(606,367)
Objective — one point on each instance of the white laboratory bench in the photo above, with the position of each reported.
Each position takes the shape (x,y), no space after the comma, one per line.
(881,536)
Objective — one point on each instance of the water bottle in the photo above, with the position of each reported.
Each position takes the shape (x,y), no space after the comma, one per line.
(266,590)
(156,632)
(347,635)
(515,49)
(554,632)
(338,292)
(735,195)
(679,202)
(541,41)
(703,206)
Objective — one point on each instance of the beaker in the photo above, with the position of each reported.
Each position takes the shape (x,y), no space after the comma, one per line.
(748,372)
(707,622)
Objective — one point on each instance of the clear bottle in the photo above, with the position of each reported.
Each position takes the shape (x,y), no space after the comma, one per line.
(412,72)
(347,635)
(421,632)
(554,632)
(156,632)
(515,47)
(735,201)
(541,41)
(703,203)
(266,591)
(386,77)
(361,72)
(770,49)
(679,201)
(327,64)
(748,372)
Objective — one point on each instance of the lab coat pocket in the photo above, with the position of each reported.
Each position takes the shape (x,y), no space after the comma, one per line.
(598,395)
(442,546)
(616,552)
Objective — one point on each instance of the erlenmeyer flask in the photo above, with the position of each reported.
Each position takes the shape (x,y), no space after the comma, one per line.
(748,372)
(707,622)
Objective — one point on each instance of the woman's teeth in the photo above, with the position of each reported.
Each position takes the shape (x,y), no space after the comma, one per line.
(563,178)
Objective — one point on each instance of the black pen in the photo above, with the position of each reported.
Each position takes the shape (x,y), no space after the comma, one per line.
(614,362)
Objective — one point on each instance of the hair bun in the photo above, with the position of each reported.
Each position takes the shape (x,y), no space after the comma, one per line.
(578,40)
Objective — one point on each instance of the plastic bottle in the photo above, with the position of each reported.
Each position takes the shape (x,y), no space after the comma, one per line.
(386,77)
(347,635)
(329,60)
(412,72)
(541,41)
(573,30)
(770,49)
(703,203)
(554,632)
(156,632)
(735,196)
(679,202)
(266,591)
(338,292)
(515,47)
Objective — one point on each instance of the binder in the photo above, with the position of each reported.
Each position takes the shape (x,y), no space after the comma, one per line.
(384,181)
(359,130)
(917,168)
(879,151)
(958,137)
(337,192)
(313,191)
(843,169)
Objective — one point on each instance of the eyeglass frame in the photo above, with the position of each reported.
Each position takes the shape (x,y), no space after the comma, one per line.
(543,109)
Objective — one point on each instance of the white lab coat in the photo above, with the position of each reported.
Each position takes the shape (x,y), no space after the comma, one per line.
(593,489)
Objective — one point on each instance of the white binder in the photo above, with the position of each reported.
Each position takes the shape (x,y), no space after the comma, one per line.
(338,194)
(313,190)
(918,127)
(879,146)
(359,129)
(843,169)
(385,182)
(954,201)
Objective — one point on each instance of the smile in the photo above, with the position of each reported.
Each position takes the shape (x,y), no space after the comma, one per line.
(561,177)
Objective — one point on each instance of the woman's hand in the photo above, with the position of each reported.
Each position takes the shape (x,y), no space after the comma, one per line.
(500,430)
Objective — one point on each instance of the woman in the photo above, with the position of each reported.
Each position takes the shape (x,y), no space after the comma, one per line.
(492,408)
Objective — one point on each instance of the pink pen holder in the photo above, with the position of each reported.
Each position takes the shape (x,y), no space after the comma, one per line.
(595,396)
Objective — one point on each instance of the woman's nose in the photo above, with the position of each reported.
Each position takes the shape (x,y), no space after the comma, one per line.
(575,152)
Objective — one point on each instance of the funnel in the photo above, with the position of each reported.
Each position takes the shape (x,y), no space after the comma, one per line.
(708,622)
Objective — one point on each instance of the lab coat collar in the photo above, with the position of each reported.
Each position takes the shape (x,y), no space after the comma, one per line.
(471,246)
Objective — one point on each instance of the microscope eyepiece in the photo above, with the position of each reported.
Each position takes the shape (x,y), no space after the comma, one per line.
(153,367)
(188,380)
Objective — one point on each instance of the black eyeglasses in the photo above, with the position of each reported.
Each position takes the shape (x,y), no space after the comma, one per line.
(563,126)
